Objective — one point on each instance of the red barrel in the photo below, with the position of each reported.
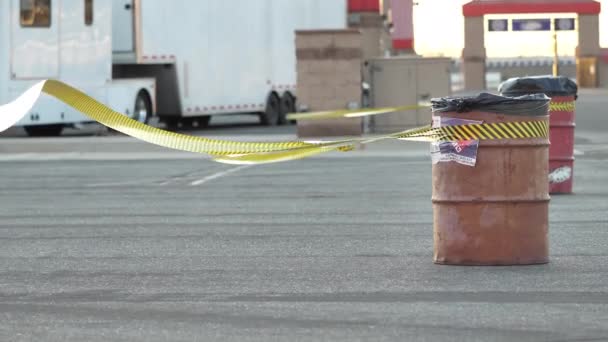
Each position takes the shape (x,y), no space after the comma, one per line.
(561,152)
(497,211)
(562,92)
(363,6)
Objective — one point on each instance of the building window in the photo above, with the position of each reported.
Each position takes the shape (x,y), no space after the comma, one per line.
(88,12)
(36,13)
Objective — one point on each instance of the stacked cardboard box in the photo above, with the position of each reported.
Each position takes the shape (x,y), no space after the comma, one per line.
(329,78)
(375,39)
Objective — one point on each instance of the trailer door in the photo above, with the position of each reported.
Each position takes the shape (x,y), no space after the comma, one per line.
(122,26)
(34,39)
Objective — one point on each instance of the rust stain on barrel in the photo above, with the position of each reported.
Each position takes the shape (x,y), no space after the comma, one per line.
(497,212)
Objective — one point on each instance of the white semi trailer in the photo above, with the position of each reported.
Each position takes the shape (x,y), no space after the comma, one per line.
(182,60)
(213,57)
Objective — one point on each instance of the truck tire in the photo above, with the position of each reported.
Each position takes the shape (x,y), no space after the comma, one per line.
(288,105)
(270,117)
(44,130)
(143,107)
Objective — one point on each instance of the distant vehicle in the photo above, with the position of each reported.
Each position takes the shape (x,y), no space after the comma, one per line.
(182,61)
(68,40)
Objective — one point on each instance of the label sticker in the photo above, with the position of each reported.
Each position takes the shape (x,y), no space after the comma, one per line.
(560,175)
(461,152)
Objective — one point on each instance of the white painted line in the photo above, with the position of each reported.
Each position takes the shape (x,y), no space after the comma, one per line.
(179,178)
(103,185)
(169,181)
(219,175)
(578,152)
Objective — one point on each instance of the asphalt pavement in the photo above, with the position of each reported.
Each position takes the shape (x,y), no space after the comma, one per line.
(103,238)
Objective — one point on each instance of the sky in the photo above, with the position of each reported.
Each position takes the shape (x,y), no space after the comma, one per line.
(439,31)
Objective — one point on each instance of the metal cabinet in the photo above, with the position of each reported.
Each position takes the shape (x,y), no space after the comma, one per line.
(586,72)
(404,80)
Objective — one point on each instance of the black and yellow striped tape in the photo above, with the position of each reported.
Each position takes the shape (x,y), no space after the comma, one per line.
(566,106)
(488,131)
(484,131)
(106,116)
(238,152)
(345,113)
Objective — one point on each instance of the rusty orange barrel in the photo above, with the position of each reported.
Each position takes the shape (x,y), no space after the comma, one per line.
(563,93)
(497,211)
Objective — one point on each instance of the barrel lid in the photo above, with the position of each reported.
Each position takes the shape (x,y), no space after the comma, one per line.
(549,85)
(529,105)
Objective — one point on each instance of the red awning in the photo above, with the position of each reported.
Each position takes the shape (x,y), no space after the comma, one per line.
(363,6)
(478,8)
(604,55)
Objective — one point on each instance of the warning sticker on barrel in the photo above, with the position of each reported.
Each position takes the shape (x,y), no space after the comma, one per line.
(462,152)
(560,175)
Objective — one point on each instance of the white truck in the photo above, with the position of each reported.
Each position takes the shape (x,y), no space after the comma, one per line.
(181,60)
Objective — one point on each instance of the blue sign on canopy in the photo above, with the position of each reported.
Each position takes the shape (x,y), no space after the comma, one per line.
(531,24)
(498,25)
(564,24)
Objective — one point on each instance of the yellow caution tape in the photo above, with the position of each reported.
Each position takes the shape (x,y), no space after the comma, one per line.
(236,152)
(566,106)
(106,116)
(344,145)
(278,156)
(488,131)
(345,113)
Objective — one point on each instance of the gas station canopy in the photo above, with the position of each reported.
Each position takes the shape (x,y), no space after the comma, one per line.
(478,8)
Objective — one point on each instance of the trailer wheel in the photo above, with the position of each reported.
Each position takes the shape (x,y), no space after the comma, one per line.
(270,117)
(143,107)
(288,105)
(44,130)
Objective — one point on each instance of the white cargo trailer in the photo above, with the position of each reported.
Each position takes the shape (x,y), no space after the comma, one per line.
(68,40)
(183,60)
(213,57)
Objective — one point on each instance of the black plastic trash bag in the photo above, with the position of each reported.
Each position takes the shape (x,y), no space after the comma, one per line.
(548,85)
(533,105)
